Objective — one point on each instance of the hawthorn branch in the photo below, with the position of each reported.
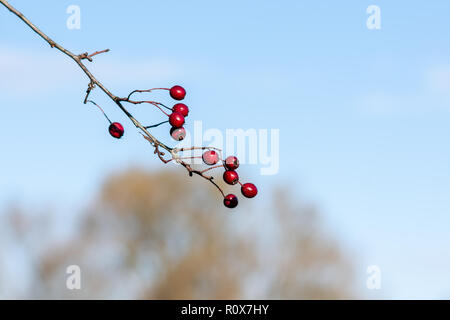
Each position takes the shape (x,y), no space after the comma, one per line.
(78,59)
(94,82)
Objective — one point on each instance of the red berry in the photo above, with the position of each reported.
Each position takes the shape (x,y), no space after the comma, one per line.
(176,120)
(249,190)
(181,108)
(210,157)
(177,92)
(178,134)
(230,201)
(232,163)
(231,177)
(116,130)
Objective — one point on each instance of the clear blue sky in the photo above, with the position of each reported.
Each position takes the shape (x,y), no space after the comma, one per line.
(363,114)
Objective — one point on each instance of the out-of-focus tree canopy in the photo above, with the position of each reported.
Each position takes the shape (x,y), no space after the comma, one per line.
(162,236)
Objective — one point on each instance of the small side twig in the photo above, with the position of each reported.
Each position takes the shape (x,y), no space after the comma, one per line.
(89,56)
(91,86)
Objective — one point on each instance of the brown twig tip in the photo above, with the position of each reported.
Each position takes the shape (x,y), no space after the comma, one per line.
(88,56)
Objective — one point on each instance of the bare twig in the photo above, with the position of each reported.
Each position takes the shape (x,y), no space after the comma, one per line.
(212,168)
(78,61)
(156,104)
(89,56)
(158,145)
(156,125)
(141,91)
(91,86)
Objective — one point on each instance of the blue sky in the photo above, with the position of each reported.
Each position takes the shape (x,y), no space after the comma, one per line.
(363,114)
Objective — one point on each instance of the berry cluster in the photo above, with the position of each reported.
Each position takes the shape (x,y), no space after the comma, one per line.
(230,176)
(210,157)
(179,112)
(176,118)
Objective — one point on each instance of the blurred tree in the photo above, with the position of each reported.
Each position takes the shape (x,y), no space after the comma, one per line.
(159,236)
(310,264)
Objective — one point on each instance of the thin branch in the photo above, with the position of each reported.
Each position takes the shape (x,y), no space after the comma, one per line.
(211,168)
(141,91)
(156,104)
(210,179)
(101,109)
(199,148)
(94,81)
(118,101)
(156,125)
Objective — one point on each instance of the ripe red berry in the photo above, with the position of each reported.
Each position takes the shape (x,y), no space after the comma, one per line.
(232,163)
(230,201)
(249,190)
(231,177)
(176,120)
(181,108)
(178,134)
(116,130)
(177,92)
(210,157)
